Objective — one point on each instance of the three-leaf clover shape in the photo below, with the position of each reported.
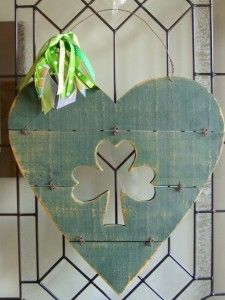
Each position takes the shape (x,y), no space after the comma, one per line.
(115,175)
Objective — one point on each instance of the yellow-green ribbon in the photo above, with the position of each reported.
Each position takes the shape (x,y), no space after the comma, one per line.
(60,57)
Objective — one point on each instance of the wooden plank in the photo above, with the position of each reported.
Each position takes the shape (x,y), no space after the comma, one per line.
(154,105)
(117,268)
(155,218)
(124,259)
(185,157)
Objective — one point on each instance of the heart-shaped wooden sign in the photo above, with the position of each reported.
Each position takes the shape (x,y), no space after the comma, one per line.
(117,178)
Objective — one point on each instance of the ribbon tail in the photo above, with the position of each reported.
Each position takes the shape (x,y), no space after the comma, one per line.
(81,86)
(30,73)
(62,53)
(26,79)
(69,81)
(85,79)
(49,94)
(85,64)
(73,38)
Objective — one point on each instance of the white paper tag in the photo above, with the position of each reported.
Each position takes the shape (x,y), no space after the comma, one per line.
(65,101)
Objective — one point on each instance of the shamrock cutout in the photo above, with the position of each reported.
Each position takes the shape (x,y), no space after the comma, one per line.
(114,175)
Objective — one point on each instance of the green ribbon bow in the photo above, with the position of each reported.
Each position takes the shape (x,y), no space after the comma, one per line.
(60,57)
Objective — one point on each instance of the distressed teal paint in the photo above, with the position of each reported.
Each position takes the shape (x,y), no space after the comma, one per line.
(155,105)
(59,202)
(164,120)
(170,154)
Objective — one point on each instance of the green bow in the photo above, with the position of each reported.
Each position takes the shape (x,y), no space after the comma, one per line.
(61,57)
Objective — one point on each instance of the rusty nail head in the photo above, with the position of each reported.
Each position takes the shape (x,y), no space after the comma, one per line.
(82,240)
(51,185)
(115,130)
(205,131)
(25,131)
(149,242)
(179,187)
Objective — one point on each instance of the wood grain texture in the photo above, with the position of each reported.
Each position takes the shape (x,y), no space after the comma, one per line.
(174,156)
(155,105)
(153,212)
(164,120)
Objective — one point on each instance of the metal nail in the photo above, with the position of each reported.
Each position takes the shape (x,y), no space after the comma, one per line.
(179,187)
(150,242)
(82,240)
(51,185)
(205,131)
(25,131)
(115,130)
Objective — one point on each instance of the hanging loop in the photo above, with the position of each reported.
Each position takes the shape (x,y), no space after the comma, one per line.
(172,68)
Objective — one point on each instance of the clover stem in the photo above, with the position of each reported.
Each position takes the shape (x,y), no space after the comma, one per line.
(114,214)
(116,197)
